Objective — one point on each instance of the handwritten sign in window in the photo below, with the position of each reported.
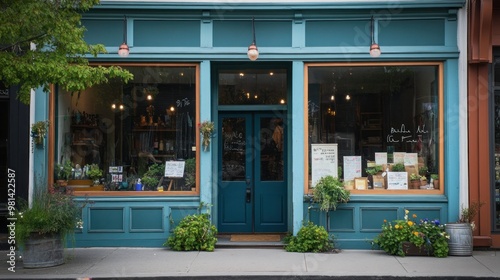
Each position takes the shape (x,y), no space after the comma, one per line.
(399,157)
(411,159)
(397,180)
(352,167)
(324,161)
(403,134)
(174,169)
(380,158)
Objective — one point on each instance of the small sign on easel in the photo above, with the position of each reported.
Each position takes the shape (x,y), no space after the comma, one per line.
(174,169)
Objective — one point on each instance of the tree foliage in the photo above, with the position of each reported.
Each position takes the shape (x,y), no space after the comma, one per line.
(41,43)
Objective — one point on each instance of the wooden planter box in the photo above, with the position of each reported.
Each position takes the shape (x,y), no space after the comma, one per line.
(411,250)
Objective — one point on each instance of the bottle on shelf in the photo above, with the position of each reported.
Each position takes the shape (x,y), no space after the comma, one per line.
(155,146)
(161,147)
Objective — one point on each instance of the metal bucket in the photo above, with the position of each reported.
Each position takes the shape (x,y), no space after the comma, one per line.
(43,251)
(460,243)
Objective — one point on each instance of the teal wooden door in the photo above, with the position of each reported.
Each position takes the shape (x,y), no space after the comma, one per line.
(252,194)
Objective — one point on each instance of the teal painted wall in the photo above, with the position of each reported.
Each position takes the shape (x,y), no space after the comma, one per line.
(131,221)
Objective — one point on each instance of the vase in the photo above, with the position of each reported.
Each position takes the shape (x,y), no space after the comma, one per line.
(411,249)
(43,250)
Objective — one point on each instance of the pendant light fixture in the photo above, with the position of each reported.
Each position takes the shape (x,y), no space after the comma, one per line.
(123,51)
(374,48)
(253,52)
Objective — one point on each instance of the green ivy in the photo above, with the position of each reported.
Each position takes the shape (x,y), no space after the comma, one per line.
(310,238)
(194,233)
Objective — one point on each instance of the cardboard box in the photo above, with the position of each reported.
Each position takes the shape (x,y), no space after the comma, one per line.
(361,183)
(378,182)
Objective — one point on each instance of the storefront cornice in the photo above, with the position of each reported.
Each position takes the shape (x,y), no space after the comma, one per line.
(152,198)
(312,53)
(276,5)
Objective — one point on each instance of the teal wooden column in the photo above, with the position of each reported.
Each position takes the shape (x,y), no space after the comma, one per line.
(451,139)
(298,178)
(40,155)
(206,174)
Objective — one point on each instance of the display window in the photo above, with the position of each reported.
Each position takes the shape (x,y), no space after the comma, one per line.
(135,138)
(377,127)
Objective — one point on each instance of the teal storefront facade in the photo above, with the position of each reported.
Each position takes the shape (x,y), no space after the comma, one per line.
(266,191)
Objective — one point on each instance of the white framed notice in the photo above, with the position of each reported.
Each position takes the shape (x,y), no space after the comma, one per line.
(411,159)
(324,161)
(380,158)
(399,157)
(397,180)
(352,167)
(174,169)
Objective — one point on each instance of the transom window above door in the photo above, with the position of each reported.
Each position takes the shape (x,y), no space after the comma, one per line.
(252,86)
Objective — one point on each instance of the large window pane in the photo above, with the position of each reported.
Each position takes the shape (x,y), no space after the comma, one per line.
(138,127)
(368,110)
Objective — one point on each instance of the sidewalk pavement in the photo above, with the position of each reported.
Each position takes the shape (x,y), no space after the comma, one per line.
(255,263)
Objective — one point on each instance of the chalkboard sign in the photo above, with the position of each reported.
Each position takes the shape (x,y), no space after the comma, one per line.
(174,169)
(324,161)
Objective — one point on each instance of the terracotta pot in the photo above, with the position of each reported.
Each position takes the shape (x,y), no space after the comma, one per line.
(415,184)
(436,184)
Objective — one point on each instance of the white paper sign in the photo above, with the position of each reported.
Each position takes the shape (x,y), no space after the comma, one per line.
(380,158)
(174,169)
(324,161)
(397,180)
(399,157)
(352,167)
(411,159)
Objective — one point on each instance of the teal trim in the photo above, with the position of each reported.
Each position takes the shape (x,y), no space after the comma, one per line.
(296,146)
(354,225)
(106,219)
(231,33)
(207,177)
(225,6)
(167,33)
(411,32)
(146,219)
(103,31)
(452,127)
(115,221)
(338,33)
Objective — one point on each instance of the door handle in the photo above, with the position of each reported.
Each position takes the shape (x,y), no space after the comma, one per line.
(248,195)
(248,192)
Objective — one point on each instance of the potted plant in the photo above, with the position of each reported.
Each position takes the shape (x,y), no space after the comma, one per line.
(423,182)
(63,173)
(329,192)
(42,228)
(94,173)
(414,181)
(371,171)
(151,178)
(38,131)
(398,167)
(461,231)
(410,237)
(422,171)
(207,128)
(435,180)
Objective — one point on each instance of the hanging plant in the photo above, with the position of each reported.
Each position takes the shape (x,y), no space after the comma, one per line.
(207,128)
(38,131)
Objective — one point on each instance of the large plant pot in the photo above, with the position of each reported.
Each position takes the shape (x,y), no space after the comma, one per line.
(460,243)
(43,250)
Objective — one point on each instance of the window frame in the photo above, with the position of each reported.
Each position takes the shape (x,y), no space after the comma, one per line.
(440,78)
(52,136)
